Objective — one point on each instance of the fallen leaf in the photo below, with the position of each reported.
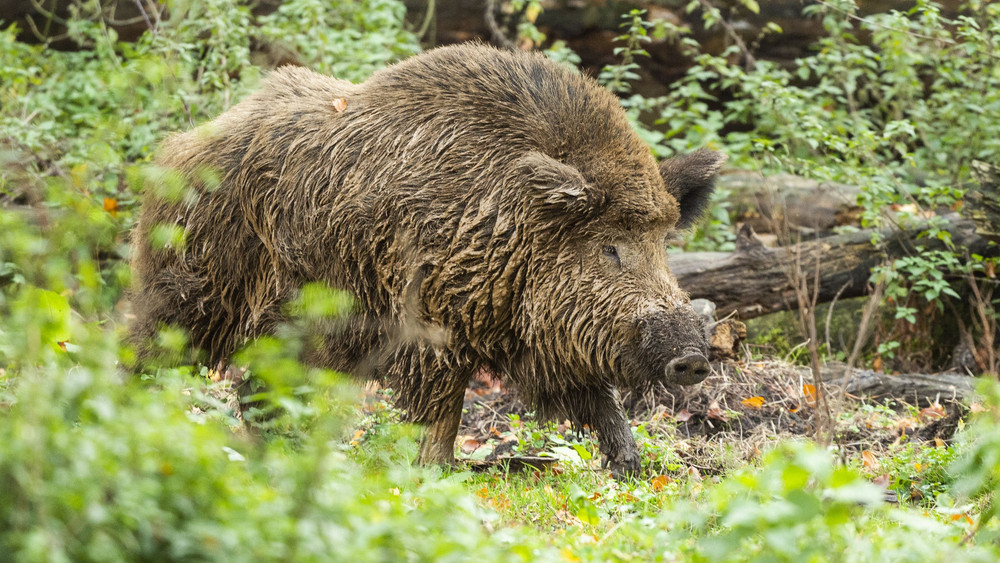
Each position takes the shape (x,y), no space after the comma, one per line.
(659,482)
(595,496)
(933,412)
(939,443)
(754,402)
(714,411)
(470,445)
(694,473)
(964,517)
(877,364)
(683,416)
(357,437)
(869,460)
(340,104)
(882,481)
(809,392)
(976,407)
(500,502)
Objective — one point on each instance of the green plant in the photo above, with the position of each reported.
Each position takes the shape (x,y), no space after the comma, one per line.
(346,39)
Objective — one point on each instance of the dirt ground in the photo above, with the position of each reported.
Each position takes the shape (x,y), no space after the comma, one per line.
(742,408)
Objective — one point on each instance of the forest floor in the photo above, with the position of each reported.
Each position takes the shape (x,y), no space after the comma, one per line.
(721,423)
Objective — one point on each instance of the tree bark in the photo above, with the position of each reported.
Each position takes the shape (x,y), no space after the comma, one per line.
(914,388)
(756,280)
(982,204)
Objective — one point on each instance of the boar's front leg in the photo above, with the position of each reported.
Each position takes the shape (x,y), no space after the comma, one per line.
(429,383)
(602,409)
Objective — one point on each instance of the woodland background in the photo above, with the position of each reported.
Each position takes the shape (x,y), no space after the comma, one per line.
(850,258)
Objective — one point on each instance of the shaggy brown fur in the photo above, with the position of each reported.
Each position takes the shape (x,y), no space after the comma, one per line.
(486,208)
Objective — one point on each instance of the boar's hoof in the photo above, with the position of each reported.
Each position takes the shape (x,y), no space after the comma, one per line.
(688,369)
(623,468)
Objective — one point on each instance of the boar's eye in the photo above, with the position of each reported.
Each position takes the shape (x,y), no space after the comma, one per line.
(612,253)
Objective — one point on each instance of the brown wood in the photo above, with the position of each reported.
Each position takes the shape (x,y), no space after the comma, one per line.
(788,203)
(756,280)
(914,388)
(982,203)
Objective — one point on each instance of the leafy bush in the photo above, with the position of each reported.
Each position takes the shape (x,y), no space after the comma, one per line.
(96,469)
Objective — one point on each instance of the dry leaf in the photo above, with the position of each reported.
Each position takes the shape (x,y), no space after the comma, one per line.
(882,481)
(933,412)
(869,460)
(694,473)
(111,206)
(754,402)
(714,411)
(683,416)
(340,104)
(964,517)
(906,423)
(626,496)
(939,443)
(659,482)
(809,392)
(357,436)
(976,407)
(470,445)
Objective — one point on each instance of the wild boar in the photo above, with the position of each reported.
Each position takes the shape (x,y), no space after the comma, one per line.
(487,209)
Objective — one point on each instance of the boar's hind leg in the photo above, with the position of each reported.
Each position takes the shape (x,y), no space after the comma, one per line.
(602,409)
(429,383)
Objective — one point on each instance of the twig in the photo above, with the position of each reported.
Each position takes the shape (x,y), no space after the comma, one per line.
(428,18)
(497,34)
(829,314)
(751,61)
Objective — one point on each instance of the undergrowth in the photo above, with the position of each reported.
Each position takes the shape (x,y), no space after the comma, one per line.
(99,466)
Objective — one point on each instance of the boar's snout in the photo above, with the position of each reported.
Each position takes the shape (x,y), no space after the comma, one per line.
(689,368)
(674,346)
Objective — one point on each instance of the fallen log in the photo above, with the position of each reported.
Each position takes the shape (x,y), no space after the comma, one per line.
(914,388)
(756,280)
(799,205)
(982,205)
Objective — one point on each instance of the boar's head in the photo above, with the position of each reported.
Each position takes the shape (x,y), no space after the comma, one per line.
(600,300)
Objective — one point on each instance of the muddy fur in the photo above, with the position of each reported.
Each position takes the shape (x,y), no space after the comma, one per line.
(487,209)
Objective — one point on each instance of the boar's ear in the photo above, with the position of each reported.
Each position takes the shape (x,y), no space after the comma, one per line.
(690,179)
(561,186)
